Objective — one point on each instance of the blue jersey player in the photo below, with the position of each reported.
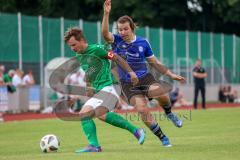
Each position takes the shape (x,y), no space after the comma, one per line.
(137,52)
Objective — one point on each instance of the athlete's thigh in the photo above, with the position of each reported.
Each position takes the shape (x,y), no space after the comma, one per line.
(92,103)
(129,91)
(107,97)
(156,90)
(94,107)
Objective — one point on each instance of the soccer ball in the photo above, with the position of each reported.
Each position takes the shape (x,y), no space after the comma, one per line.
(49,143)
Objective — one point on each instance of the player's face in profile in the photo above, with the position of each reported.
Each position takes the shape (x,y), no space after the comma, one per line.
(75,45)
(125,31)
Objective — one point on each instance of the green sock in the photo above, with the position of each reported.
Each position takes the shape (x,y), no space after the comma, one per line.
(90,132)
(118,121)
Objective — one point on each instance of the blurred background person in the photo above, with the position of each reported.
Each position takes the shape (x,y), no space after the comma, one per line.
(222,94)
(7,78)
(2,70)
(177,100)
(77,79)
(199,75)
(230,96)
(28,79)
(17,78)
(236,98)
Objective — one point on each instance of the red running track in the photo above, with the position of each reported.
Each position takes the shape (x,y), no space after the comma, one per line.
(33,116)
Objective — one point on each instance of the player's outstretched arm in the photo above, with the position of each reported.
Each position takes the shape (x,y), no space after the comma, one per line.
(157,64)
(120,61)
(164,70)
(105,22)
(175,76)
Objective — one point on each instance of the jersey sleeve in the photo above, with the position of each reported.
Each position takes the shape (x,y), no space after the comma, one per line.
(110,55)
(116,38)
(148,52)
(100,52)
(104,54)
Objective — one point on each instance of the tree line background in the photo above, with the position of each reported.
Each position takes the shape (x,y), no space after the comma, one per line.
(213,16)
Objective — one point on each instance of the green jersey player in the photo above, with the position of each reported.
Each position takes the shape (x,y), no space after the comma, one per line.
(94,60)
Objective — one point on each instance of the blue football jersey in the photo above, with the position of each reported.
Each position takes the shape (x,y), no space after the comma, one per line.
(135,53)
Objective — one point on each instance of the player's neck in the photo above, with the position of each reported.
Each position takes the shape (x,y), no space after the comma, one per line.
(131,38)
(84,48)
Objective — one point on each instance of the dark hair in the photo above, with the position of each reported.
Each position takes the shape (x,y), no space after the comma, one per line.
(74,32)
(128,19)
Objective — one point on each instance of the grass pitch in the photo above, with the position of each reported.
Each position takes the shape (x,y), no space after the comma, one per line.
(206,135)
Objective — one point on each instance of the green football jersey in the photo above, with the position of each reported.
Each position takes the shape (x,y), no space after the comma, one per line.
(96,66)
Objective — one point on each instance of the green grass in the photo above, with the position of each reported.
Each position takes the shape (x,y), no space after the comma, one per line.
(206,135)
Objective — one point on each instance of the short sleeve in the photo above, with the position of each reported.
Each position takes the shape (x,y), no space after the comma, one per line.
(117,38)
(148,52)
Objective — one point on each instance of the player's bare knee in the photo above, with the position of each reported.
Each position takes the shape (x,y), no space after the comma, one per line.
(102,118)
(87,112)
(100,111)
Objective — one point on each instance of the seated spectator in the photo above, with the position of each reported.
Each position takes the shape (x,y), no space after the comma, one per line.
(226,94)
(230,95)
(177,100)
(222,94)
(236,99)
(174,95)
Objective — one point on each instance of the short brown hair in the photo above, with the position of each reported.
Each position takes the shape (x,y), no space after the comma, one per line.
(74,32)
(128,19)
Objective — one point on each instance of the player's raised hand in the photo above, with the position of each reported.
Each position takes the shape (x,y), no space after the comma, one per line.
(107,6)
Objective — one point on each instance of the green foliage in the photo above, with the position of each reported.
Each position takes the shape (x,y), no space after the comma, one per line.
(228,10)
(217,15)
